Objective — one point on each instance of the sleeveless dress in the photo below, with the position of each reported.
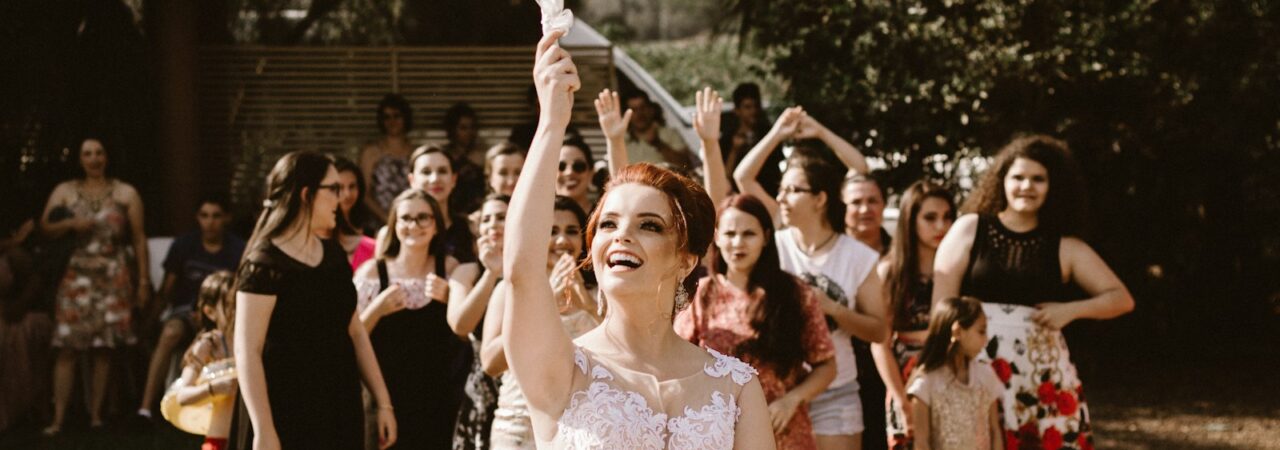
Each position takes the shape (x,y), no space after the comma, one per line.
(416,351)
(1043,402)
(912,315)
(512,428)
(616,408)
(96,293)
(308,358)
(390,178)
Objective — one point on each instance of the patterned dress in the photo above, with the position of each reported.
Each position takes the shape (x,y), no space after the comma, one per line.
(719,319)
(95,296)
(390,178)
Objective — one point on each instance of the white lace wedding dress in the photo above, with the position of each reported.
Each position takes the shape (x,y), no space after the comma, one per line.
(615,408)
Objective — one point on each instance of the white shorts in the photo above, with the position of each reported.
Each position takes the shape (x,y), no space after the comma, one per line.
(837,411)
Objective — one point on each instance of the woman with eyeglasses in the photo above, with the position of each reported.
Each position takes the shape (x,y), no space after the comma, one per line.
(839,269)
(575,170)
(402,299)
(300,348)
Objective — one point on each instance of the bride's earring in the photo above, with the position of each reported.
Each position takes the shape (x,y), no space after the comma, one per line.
(600,302)
(682,297)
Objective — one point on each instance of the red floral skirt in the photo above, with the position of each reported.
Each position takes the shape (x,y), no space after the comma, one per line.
(1043,404)
(907,354)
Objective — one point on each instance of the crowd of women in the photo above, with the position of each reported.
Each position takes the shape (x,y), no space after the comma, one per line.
(382,303)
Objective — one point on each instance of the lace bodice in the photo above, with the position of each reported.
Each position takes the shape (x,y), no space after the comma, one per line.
(415,292)
(616,408)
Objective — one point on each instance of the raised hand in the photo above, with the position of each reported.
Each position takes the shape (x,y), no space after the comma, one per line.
(706,115)
(556,79)
(809,128)
(490,250)
(437,288)
(788,123)
(612,121)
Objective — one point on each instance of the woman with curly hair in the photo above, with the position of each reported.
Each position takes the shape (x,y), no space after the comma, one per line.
(1017,248)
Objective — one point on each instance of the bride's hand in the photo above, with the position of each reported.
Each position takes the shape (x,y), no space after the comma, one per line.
(556,79)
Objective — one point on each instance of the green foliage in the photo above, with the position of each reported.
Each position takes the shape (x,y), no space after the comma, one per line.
(1171,108)
(683,67)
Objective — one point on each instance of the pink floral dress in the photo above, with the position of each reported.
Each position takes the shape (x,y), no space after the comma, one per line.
(719,320)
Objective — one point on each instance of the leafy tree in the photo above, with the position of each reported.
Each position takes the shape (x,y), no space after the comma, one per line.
(1170,106)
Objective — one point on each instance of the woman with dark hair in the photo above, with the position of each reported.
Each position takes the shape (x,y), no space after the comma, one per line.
(402,300)
(751,309)
(300,348)
(839,269)
(353,214)
(468,319)
(927,212)
(25,328)
(1016,249)
(632,382)
(384,162)
(576,169)
(108,271)
(462,128)
(578,315)
(436,173)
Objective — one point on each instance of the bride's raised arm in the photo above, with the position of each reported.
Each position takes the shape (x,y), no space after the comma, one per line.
(537,348)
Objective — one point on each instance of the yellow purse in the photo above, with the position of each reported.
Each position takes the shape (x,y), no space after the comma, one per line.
(196,417)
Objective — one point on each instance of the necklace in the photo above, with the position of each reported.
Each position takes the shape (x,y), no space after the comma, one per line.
(810,253)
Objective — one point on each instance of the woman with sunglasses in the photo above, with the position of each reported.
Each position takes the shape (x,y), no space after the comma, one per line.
(402,298)
(576,169)
(839,269)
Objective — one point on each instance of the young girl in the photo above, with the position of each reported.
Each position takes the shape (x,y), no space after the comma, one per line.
(953,398)
(210,356)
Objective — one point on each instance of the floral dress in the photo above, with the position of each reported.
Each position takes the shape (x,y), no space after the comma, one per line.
(719,319)
(94,297)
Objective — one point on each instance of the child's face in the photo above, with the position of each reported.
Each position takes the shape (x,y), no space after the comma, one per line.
(219,318)
(974,338)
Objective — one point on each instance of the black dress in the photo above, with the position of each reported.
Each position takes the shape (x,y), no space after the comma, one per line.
(419,355)
(309,360)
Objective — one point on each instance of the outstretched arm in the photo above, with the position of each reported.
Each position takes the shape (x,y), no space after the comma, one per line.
(706,121)
(614,125)
(747,171)
(537,347)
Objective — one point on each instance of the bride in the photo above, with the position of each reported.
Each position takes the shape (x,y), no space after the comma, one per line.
(632,382)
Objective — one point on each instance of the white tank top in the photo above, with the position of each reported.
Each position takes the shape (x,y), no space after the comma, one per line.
(838,273)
